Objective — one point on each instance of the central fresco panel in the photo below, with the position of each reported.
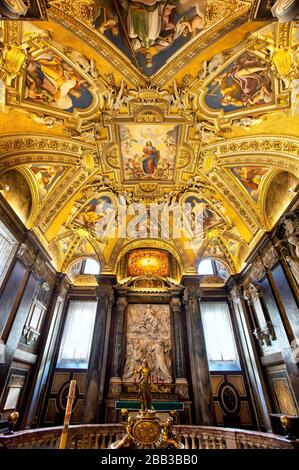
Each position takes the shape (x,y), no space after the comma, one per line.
(148,152)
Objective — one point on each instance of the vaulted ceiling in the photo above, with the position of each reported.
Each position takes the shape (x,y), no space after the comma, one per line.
(112,103)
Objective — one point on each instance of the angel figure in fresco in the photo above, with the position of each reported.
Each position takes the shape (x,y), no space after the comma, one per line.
(104,18)
(89,217)
(45,176)
(150,158)
(251,177)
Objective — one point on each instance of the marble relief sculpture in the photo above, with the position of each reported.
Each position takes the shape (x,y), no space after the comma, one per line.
(285,10)
(292,237)
(148,337)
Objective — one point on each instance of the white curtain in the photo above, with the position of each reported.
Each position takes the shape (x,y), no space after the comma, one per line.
(77,334)
(219,336)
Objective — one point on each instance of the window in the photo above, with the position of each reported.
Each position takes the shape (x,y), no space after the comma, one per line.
(8,246)
(219,336)
(35,317)
(15,386)
(77,335)
(205,267)
(85,266)
(211,267)
(91,266)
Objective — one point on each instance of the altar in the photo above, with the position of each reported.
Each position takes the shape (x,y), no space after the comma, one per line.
(149,326)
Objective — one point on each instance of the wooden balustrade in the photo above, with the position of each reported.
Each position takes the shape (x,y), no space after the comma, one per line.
(101,436)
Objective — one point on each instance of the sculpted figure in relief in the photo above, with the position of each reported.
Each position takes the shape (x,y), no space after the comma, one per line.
(292,236)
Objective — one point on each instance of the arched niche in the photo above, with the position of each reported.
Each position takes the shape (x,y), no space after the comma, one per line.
(15,188)
(281,190)
(148,261)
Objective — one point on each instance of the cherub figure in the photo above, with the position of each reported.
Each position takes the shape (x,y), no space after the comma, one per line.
(169,439)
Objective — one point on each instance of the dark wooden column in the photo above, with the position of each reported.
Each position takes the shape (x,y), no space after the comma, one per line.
(115,380)
(46,350)
(95,380)
(15,303)
(179,356)
(200,374)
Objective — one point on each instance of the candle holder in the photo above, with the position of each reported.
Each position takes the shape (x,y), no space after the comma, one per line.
(12,421)
(286,424)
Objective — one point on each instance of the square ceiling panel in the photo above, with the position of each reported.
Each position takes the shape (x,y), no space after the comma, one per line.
(148,151)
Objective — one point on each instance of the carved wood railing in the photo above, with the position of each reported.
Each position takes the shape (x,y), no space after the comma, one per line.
(100,436)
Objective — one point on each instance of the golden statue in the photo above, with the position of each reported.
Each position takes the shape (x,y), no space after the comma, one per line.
(145,385)
(146,430)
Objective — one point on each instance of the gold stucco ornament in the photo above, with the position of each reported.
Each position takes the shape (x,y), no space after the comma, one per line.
(283,61)
(11,62)
(146,430)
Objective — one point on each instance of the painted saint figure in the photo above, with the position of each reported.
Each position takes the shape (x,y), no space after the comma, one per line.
(51,80)
(150,158)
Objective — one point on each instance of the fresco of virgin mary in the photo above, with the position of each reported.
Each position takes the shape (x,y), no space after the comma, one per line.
(150,158)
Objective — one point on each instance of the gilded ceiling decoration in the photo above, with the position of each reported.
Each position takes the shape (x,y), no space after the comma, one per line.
(109,106)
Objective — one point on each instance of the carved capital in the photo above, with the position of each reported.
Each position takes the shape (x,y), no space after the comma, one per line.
(265,335)
(191,293)
(236,293)
(26,255)
(43,271)
(176,304)
(121,304)
(252,292)
(257,271)
(105,294)
(115,387)
(270,257)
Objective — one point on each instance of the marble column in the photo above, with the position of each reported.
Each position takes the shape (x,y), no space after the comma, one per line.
(115,380)
(200,375)
(179,365)
(95,380)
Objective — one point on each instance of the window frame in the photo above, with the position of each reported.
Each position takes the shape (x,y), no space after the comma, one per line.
(214,267)
(14,243)
(72,365)
(83,267)
(223,365)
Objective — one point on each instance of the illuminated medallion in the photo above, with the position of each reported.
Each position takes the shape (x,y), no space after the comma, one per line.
(147,431)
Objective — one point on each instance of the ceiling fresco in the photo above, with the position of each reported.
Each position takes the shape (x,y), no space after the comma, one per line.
(150,32)
(148,152)
(110,108)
